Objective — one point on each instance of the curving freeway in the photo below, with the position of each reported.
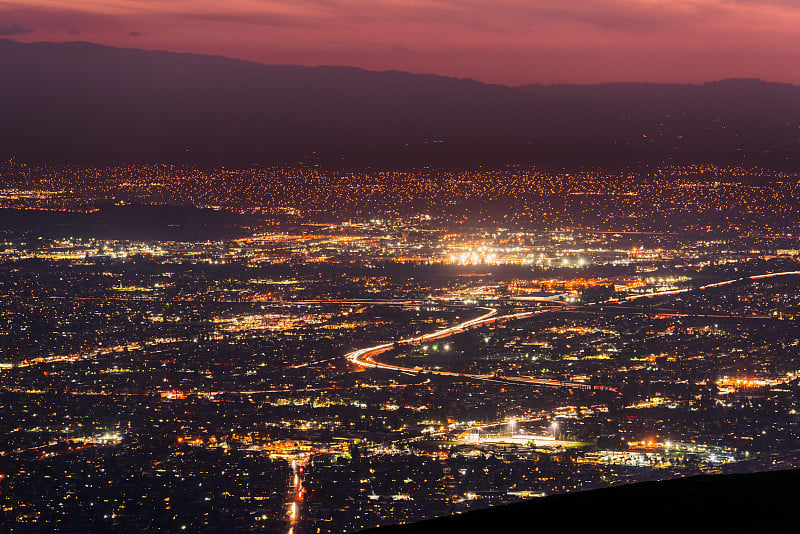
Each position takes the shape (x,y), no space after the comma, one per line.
(366,357)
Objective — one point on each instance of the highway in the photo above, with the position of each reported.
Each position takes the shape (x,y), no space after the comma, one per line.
(701,288)
(366,357)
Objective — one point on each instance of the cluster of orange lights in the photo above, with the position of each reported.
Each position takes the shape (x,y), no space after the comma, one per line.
(742,382)
(527,286)
(173,394)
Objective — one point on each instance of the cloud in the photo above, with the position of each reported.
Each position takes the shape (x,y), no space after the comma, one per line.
(790,4)
(510,41)
(522,16)
(256,19)
(13,29)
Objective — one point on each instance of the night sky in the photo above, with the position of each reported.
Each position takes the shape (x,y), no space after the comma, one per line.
(500,41)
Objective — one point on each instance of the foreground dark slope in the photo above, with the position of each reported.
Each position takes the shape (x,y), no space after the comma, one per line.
(85,102)
(760,502)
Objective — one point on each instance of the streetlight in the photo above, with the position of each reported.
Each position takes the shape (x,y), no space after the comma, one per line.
(511,424)
(555,429)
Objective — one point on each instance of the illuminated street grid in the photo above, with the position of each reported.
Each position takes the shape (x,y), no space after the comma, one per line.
(359,349)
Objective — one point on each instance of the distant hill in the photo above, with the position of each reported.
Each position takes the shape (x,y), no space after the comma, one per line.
(81,102)
(759,502)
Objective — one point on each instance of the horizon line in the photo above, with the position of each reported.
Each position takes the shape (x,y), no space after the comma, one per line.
(412,73)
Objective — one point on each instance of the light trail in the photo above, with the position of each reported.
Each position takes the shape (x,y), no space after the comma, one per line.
(704,287)
(295,495)
(366,357)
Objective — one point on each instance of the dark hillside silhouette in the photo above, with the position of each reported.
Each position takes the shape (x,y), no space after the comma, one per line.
(81,102)
(758,502)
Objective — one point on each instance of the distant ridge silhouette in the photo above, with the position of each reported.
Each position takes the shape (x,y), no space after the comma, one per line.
(82,102)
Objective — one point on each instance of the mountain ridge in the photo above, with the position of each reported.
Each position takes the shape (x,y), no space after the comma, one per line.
(81,102)
(89,44)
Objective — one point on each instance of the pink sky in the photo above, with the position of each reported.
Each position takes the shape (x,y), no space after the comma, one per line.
(501,41)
